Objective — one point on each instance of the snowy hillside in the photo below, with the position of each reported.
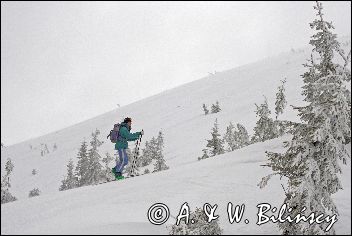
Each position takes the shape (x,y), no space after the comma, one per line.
(121,207)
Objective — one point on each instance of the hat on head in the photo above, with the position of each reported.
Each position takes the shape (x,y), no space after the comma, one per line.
(127,119)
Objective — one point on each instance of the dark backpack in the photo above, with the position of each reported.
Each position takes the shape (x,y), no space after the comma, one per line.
(114,133)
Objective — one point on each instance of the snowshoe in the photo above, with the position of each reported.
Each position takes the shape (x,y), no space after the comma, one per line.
(120,177)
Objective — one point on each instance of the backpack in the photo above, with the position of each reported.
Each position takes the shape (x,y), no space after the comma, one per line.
(114,133)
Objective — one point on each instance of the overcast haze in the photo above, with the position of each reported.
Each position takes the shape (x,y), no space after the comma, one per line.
(65,62)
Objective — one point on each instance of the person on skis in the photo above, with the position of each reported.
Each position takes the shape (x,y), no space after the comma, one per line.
(122,144)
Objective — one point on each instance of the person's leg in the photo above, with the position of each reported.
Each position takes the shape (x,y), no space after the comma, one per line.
(122,154)
(125,161)
(119,162)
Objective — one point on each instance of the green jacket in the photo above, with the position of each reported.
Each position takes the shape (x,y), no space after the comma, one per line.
(125,136)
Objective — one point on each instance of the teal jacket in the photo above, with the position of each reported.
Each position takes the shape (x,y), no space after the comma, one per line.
(125,136)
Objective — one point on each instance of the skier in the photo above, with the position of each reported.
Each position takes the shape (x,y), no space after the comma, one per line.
(122,144)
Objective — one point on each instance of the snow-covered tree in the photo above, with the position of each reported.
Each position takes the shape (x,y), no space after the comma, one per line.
(2,145)
(46,149)
(146,171)
(200,225)
(280,102)
(34,192)
(54,147)
(107,170)
(160,141)
(265,127)
(82,164)
(206,111)
(153,147)
(205,155)
(216,144)
(242,136)
(230,138)
(152,150)
(215,108)
(34,172)
(311,162)
(160,163)
(70,180)
(6,196)
(95,168)
(146,157)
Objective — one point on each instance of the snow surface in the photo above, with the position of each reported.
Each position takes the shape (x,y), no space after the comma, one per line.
(121,207)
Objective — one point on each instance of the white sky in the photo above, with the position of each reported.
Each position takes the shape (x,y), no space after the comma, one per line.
(65,62)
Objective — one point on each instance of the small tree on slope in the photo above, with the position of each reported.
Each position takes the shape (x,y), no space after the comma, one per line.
(70,180)
(82,164)
(242,136)
(215,108)
(34,192)
(230,137)
(107,170)
(6,196)
(206,111)
(160,163)
(265,128)
(216,144)
(95,169)
(280,102)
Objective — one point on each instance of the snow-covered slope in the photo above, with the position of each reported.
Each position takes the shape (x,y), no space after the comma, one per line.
(121,207)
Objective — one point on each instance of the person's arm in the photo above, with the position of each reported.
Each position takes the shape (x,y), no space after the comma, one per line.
(129,136)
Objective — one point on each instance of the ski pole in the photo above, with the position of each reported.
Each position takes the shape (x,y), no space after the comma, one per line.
(135,155)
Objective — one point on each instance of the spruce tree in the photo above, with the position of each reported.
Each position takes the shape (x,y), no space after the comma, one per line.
(70,180)
(230,138)
(242,136)
(54,147)
(153,148)
(34,192)
(215,143)
(265,128)
(160,163)
(107,170)
(206,111)
(311,162)
(205,155)
(280,102)
(146,157)
(46,149)
(95,169)
(215,108)
(82,164)
(6,196)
